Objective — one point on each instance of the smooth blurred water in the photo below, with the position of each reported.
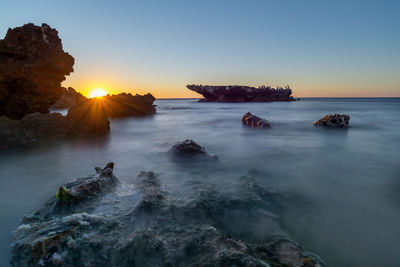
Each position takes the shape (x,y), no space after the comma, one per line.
(350,179)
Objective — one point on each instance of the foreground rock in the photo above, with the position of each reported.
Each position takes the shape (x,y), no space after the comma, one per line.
(83,120)
(32,66)
(189,149)
(333,121)
(236,93)
(251,120)
(69,98)
(203,226)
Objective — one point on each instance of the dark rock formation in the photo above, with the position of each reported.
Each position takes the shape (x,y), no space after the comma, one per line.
(88,119)
(202,226)
(83,120)
(236,93)
(333,121)
(32,67)
(126,105)
(251,120)
(69,98)
(189,149)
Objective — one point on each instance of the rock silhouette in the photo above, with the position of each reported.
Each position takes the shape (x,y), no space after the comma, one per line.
(84,120)
(32,66)
(237,93)
(126,105)
(69,98)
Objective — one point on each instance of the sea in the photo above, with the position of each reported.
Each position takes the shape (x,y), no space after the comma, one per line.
(346,181)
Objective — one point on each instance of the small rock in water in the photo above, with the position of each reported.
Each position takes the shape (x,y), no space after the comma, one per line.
(334,121)
(189,149)
(254,121)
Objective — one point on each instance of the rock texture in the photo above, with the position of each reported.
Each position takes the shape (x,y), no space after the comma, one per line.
(32,66)
(251,120)
(189,149)
(83,120)
(236,93)
(69,98)
(333,121)
(202,226)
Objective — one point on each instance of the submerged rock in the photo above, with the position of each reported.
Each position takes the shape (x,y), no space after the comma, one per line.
(251,120)
(32,66)
(189,149)
(69,98)
(237,93)
(205,226)
(333,121)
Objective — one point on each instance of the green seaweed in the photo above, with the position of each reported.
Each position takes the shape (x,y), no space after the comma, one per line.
(63,195)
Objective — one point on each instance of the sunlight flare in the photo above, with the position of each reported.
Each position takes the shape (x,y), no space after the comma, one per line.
(97,92)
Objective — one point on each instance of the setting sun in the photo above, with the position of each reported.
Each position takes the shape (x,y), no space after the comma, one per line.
(97,92)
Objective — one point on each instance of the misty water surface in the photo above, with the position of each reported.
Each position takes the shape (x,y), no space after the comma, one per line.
(348,180)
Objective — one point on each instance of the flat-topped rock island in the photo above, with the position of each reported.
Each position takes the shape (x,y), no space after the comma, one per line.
(239,93)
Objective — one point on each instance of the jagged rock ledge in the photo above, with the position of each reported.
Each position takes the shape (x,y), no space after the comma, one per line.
(89,223)
(237,93)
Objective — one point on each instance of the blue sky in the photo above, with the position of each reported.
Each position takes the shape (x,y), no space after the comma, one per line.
(319,48)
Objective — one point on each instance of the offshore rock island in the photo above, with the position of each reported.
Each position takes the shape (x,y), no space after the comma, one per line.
(239,93)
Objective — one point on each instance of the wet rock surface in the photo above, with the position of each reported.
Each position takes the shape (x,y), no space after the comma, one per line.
(189,149)
(251,120)
(153,227)
(69,98)
(237,93)
(333,121)
(32,66)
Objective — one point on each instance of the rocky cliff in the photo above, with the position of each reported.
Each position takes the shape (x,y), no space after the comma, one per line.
(237,93)
(32,66)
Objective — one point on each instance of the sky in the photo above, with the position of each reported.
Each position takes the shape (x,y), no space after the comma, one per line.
(320,48)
